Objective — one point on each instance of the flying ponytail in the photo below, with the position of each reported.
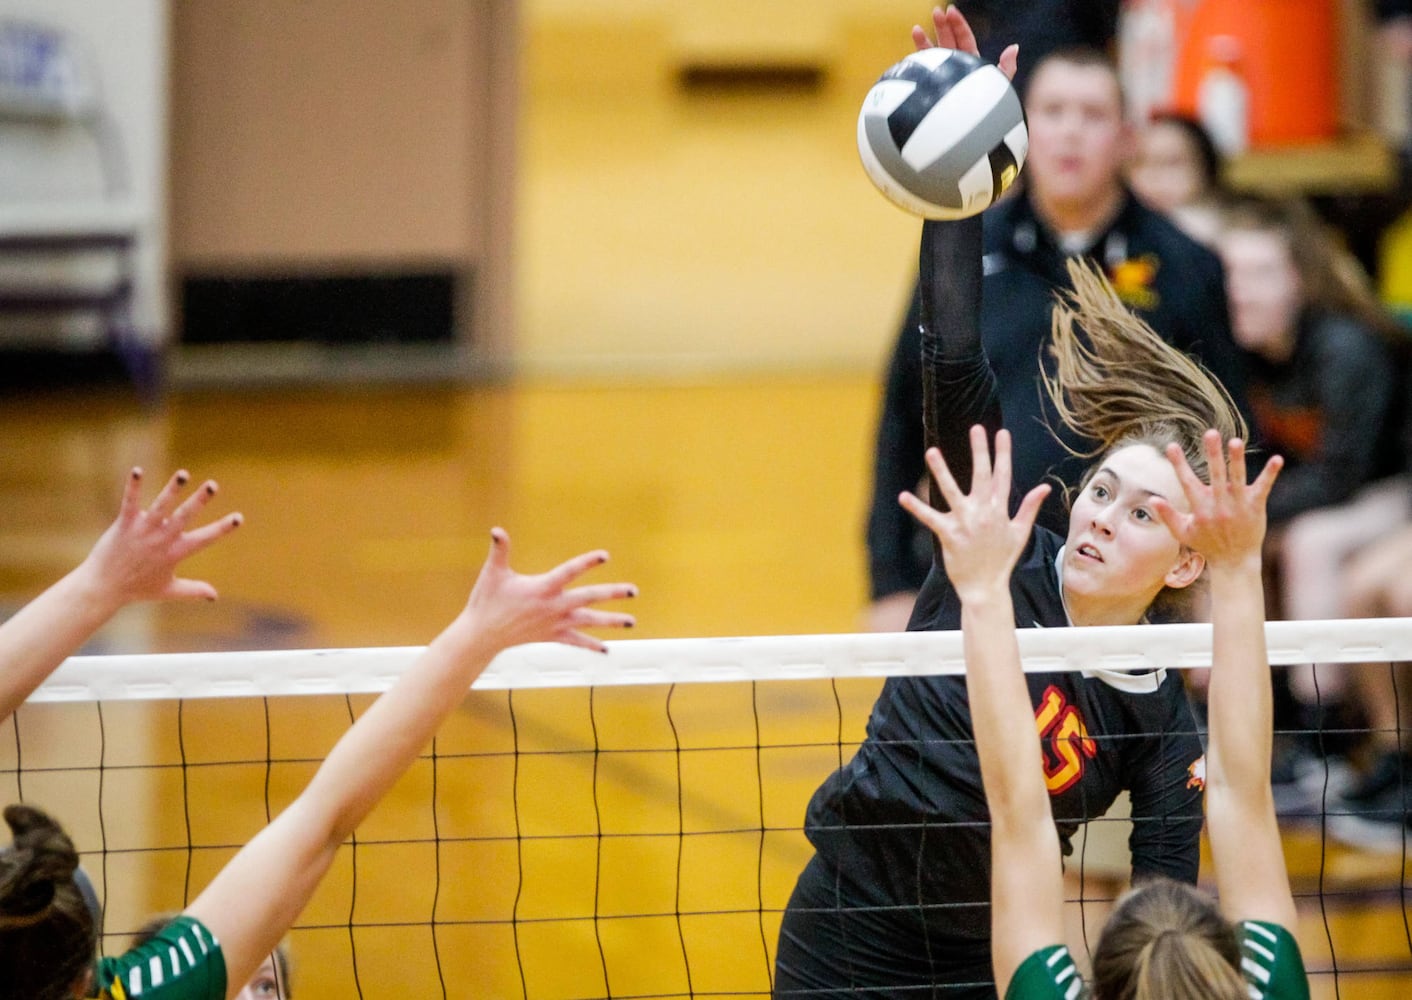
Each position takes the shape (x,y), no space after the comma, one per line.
(1118,383)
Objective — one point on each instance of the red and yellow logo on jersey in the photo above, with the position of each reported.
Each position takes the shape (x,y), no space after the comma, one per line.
(1133,279)
(1064,740)
(1196,774)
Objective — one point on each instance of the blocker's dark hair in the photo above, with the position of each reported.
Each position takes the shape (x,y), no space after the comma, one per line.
(47,932)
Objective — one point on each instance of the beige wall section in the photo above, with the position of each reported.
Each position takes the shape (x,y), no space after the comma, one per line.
(321,134)
(325,130)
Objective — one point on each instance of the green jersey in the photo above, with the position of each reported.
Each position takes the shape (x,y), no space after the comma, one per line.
(183,961)
(1269,960)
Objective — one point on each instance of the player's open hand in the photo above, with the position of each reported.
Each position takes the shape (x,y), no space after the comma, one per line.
(954,32)
(510,608)
(980,542)
(1227,520)
(137,557)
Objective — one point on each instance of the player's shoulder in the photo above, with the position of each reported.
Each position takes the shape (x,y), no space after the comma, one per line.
(1271,962)
(184,957)
(1047,974)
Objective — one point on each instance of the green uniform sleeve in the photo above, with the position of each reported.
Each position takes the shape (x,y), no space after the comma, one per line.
(182,962)
(1048,974)
(1271,963)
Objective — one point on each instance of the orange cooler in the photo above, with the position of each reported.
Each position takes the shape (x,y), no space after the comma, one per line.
(1287,55)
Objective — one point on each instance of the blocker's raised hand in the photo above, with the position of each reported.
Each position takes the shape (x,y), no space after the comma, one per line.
(1227,520)
(980,542)
(513,608)
(136,558)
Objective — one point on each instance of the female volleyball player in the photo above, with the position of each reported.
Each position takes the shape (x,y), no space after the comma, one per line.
(48,932)
(895,902)
(1165,939)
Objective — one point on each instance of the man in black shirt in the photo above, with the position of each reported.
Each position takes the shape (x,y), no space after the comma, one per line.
(1040,27)
(1073,201)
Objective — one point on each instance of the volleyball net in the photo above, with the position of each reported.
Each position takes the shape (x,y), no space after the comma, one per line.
(624,826)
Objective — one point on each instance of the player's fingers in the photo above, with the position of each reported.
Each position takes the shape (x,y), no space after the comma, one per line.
(928,516)
(1235,457)
(939,19)
(944,481)
(962,37)
(167,499)
(499,555)
(1001,485)
(1266,480)
(1192,485)
(980,459)
(198,538)
(180,589)
(566,572)
(920,39)
(1009,61)
(593,618)
(598,592)
(570,637)
(1215,461)
(189,507)
(1029,507)
(132,495)
(1168,515)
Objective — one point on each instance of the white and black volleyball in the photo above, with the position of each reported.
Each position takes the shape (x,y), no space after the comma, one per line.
(942,134)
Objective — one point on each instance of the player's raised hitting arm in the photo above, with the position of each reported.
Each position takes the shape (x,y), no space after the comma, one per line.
(958,387)
(134,560)
(294,852)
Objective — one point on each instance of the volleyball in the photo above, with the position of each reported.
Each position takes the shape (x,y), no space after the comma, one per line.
(942,134)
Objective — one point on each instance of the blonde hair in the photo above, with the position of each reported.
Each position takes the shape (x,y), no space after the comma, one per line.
(1167,941)
(1118,383)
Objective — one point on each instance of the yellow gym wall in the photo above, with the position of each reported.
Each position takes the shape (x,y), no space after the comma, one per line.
(664,229)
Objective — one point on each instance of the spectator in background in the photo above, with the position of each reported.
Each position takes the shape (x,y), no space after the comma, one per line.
(1322,377)
(1073,202)
(1324,388)
(1176,170)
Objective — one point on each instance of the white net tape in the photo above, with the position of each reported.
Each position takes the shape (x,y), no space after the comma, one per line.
(677,661)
